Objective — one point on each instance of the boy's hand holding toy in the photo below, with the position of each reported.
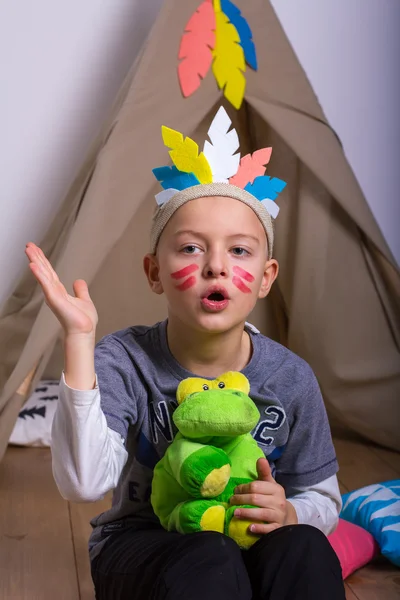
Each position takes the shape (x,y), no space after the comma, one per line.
(274,510)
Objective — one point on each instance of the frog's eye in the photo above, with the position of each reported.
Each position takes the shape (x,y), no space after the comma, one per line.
(233,380)
(190,386)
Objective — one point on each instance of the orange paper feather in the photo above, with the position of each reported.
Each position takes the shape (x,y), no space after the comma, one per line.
(251,166)
(196,48)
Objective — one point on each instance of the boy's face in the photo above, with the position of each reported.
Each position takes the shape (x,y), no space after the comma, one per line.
(211,263)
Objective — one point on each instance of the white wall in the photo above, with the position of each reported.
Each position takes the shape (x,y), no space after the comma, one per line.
(63,62)
(350,50)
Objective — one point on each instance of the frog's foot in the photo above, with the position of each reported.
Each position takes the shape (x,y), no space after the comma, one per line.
(205,473)
(213,519)
(238,529)
(201,515)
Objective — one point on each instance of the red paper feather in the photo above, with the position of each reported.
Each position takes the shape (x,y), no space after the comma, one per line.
(195,48)
(251,166)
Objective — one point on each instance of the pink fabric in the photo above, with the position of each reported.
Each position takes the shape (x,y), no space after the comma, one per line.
(354,546)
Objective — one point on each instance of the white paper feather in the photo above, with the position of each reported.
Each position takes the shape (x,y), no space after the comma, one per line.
(271,207)
(165,195)
(220,153)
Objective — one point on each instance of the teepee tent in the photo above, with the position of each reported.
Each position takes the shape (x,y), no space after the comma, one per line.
(336,301)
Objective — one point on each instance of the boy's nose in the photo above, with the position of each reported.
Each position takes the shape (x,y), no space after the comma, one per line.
(215,267)
(214,273)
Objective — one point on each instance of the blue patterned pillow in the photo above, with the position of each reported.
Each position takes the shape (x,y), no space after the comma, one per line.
(376,508)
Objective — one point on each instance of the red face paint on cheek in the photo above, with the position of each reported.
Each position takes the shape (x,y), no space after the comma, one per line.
(185,271)
(243,274)
(240,285)
(188,283)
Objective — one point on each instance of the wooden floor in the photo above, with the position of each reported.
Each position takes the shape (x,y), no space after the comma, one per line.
(43,550)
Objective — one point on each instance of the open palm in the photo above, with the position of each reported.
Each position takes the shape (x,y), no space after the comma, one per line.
(76,314)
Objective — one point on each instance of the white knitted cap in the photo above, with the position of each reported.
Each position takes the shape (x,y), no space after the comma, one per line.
(165,212)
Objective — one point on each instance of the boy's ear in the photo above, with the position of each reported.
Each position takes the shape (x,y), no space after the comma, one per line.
(271,271)
(152,271)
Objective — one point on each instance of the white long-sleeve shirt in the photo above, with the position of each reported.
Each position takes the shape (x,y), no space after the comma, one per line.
(89,457)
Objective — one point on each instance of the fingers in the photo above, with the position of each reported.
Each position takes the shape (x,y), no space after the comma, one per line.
(52,275)
(52,288)
(257,487)
(263,528)
(45,274)
(264,470)
(40,274)
(81,290)
(43,266)
(257,514)
(261,500)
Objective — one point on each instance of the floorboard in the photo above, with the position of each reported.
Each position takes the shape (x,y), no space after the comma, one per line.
(360,466)
(389,457)
(36,552)
(378,581)
(350,595)
(362,463)
(43,551)
(81,514)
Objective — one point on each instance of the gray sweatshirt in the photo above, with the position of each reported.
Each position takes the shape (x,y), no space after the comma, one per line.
(113,436)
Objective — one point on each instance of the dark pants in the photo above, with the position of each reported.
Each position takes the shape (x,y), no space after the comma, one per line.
(291,563)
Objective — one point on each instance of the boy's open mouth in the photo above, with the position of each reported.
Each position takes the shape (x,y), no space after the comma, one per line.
(215,298)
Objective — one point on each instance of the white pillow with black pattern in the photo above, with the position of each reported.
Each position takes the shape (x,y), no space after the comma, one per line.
(33,426)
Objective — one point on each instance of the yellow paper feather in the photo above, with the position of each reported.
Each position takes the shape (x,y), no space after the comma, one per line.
(229,61)
(185,155)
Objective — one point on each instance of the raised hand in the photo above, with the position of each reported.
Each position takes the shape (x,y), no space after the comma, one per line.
(77,314)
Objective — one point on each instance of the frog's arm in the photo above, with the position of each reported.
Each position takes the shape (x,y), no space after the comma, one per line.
(203,471)
(176,509)
(244,457)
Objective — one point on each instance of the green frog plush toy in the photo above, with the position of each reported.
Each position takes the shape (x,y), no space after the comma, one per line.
(212,453)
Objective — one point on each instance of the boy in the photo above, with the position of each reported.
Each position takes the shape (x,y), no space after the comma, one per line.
(212,258)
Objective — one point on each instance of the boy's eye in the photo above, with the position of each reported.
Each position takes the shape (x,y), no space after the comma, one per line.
(190,249)
(239,251)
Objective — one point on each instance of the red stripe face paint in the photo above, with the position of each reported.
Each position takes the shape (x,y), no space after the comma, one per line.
(188,283)
(185,271)
(241,285)
(243,274)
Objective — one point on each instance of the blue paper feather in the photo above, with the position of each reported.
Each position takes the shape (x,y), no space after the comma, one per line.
(265,187)
(243,28)
(171,177)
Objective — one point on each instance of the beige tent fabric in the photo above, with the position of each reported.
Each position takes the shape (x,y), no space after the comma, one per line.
(336,302)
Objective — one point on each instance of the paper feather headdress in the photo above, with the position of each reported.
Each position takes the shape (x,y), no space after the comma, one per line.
(216,171)
(217,34)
